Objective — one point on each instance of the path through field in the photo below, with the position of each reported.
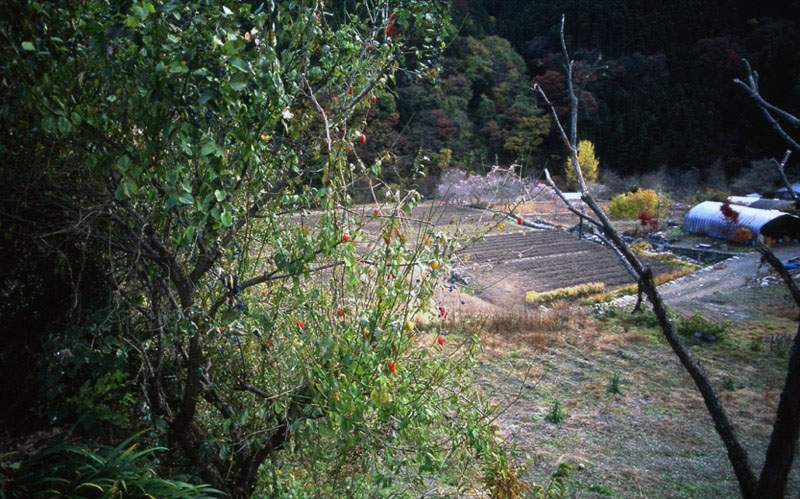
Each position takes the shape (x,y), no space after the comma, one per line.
(735,289)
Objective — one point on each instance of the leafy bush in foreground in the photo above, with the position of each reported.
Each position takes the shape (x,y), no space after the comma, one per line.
(202,156)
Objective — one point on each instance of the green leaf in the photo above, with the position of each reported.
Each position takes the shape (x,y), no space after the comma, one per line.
(188,235)
(207,96)
(239,64)
(48,124)
(64,126)
(220,195)
(208,148)
(226,219)
(28,46)
(239,82)
(125,188)
(139,12)
(123,163)
(185,198)
(172,201)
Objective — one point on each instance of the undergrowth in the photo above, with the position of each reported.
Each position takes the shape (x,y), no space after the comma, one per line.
(615,385)
(694,326)
(67,470)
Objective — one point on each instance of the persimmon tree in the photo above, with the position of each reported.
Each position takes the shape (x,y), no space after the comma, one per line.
(773,477)
(197,154)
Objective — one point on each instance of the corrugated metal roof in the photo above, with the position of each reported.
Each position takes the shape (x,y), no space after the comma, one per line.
(742,200)
(772,204)
(707,218)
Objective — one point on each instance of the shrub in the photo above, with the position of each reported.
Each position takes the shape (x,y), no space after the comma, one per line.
(710,194)
(615,385)
(500,184)
(632,204)
(687,326)
(760,175)
(224,286)
(535,297)
(731,215)
(647,219)
(556,414)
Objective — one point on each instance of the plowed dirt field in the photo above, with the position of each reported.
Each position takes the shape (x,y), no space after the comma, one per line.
(502,267)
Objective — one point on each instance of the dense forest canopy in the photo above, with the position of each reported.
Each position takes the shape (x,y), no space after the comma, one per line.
(655,80)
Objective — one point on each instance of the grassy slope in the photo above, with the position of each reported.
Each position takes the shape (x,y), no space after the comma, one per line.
(654,440)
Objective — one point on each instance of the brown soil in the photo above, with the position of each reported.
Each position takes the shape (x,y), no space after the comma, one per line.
(502,267)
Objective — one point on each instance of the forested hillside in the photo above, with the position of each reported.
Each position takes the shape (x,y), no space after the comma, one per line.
(655,85)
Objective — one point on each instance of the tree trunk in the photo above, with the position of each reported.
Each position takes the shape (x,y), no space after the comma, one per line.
(783,443)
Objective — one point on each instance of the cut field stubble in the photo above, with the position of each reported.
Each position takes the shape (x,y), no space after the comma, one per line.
(562,325)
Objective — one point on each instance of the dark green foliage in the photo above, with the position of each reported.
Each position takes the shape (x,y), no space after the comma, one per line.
(696,325)
(478,104)
(67,470)
(162,158)
(556,413)
(644,318)
(659,97)
(615,385)
(729,384)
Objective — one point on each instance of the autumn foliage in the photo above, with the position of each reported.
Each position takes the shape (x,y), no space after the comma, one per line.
(646,218)
(731,215)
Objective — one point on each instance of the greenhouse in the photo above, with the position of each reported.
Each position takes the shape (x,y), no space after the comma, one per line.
(745,225)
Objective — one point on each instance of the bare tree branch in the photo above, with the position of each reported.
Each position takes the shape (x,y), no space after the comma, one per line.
(782,171)
(569,206)
(783,441)
(767,109)
(573,99)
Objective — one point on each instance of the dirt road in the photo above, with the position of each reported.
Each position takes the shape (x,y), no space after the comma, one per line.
(733,289)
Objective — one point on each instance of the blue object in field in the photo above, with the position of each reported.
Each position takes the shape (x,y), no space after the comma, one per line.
(791,266)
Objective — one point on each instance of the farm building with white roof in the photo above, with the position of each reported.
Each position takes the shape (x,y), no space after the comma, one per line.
(707,218)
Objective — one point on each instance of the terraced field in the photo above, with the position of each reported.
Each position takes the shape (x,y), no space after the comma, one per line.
(509,260)
(503,266)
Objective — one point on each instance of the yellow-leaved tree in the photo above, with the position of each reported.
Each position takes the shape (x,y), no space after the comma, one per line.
(590,165)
